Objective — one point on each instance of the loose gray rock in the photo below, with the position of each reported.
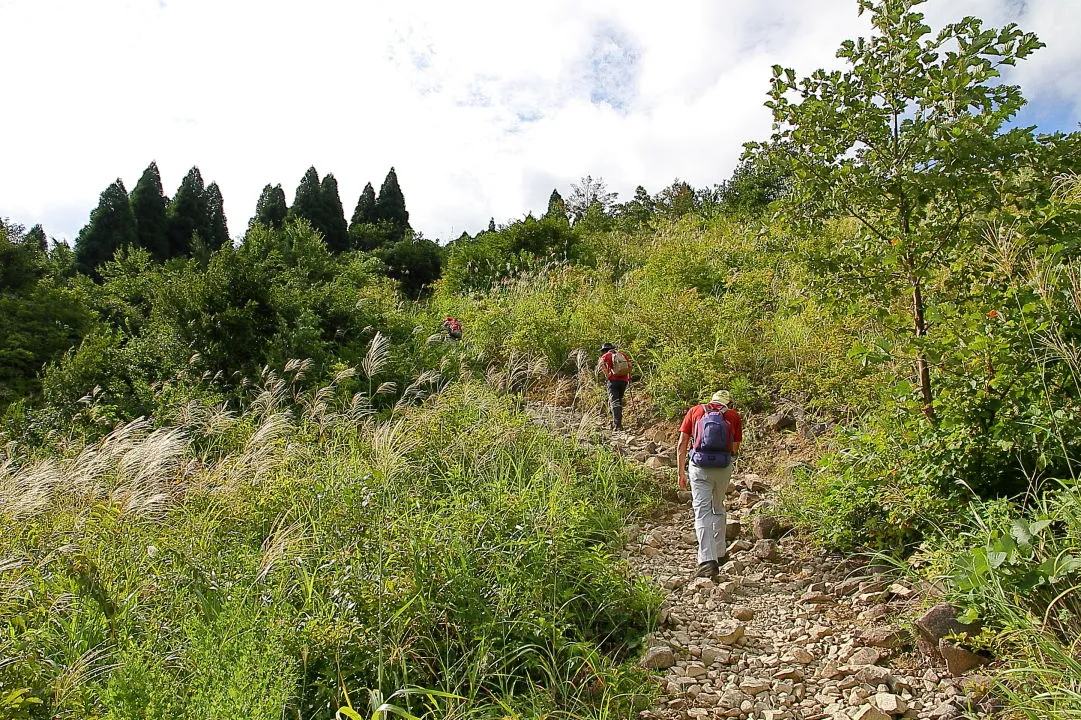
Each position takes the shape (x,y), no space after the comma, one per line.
(728,632)
(781,420)
(889,637)
(748,499)
(799,656)
(658,658)
(766,550)
(958,659)
(743,612)
(890,704)
(865,656)
(873,675)
(754,686)
(767,527)
(868,712)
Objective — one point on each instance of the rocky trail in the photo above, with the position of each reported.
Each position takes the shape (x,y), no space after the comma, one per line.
(784,633)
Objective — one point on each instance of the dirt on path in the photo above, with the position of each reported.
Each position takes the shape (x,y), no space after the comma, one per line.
(785,632)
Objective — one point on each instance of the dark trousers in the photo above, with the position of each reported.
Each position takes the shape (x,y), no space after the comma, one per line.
(616,389)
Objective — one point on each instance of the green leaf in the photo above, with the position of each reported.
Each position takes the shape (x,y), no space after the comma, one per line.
(1021,532)
(1039,526)
(347,713)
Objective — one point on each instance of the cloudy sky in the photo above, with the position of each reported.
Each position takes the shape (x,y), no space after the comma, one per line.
(482,107)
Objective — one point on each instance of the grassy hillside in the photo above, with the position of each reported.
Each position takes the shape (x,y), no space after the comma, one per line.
(295,556)
(248,480)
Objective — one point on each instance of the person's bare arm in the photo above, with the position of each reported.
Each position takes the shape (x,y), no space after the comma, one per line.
(735,448)
(681,459)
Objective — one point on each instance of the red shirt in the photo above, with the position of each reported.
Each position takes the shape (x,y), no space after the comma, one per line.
(690,420)
(606,365)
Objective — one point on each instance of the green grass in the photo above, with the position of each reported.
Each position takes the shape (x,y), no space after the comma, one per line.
(283,564)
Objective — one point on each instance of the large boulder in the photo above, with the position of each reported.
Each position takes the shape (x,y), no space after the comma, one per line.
(940,622)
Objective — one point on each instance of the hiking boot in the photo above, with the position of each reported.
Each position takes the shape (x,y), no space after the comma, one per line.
(708,569)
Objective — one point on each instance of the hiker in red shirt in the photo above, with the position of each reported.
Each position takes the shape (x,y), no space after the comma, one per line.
(453,327)
(709,439)
(616,366)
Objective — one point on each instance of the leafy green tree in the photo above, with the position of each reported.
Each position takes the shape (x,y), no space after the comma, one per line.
(39,317)
(390,205)
(364,214)
(20,265)
(638,211)
(911,141)
(676,200)
(752,187)
(373,236)
(414,262)
(476,263)
(218,236)
(111,227)
(188,215)
(332,217)
(271,208)
(148,205)
(36,237)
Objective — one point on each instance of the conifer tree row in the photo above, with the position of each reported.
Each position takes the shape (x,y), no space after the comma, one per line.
(149,220)
(195,217)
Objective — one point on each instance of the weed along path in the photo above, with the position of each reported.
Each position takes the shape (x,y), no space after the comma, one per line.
(783,633)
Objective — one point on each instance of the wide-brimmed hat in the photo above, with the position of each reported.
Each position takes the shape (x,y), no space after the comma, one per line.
(607,346)
(722,396)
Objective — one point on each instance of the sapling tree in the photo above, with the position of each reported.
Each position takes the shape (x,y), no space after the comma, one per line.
(586,193)
(911,139)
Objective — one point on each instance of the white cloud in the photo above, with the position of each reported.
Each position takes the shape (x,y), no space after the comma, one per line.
(482,106)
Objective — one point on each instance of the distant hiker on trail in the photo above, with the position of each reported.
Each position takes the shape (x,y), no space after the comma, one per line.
(713,433)
(453,327)
(616,366)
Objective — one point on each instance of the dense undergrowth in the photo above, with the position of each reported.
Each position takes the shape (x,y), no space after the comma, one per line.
(287,560)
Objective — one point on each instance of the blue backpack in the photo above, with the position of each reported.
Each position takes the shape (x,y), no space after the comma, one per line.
(712,439)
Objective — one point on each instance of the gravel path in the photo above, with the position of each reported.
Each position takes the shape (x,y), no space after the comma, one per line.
(784,633)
